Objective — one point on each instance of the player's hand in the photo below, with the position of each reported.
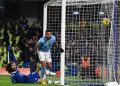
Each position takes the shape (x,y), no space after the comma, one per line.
(60,50)
(35,53)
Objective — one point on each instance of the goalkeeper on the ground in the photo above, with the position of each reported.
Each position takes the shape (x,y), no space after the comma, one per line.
(17,77)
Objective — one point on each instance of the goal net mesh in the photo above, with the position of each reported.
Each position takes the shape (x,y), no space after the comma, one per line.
(92,45)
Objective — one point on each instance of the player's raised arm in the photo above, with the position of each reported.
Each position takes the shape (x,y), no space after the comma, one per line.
(36,48)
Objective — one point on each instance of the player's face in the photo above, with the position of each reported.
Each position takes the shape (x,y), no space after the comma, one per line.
(48,35)
(85,58)
(13,65)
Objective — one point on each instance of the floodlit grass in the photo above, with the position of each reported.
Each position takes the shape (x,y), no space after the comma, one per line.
(71,80)
(6,81)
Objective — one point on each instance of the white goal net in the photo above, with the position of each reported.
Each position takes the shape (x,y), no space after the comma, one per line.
(92,43)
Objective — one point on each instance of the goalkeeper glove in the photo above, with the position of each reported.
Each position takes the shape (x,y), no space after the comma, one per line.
(60,50)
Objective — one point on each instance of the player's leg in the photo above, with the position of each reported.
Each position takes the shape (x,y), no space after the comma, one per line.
(40,81)
(49,63)
(49,71)
(43,64)
(38,67)
(33,77)
(43,70)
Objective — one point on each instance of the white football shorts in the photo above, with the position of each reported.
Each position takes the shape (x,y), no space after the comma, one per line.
(44,56)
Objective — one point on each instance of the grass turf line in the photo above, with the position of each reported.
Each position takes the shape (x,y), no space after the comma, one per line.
(6,81)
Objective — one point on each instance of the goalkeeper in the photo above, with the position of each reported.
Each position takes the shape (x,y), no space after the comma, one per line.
(17,77)
(43,48)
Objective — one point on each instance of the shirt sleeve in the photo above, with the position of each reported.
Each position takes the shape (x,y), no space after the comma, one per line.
(13,78)
(54,39)
(40,42)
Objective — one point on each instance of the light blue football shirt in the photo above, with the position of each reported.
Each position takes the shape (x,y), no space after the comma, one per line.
(45,44)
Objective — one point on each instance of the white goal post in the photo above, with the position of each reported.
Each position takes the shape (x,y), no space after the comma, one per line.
(79,28)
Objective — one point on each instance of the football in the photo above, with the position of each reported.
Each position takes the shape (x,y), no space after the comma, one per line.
(106,21)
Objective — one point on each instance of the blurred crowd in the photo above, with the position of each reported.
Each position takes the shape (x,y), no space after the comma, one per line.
(19,38)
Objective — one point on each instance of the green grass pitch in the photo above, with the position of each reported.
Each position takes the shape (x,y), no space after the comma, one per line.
(6,81)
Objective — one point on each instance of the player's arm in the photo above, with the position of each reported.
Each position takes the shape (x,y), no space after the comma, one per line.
(55,45)
(13,79)
(36,48)
(58,48)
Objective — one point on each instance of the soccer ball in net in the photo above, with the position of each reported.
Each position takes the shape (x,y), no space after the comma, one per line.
(106,21)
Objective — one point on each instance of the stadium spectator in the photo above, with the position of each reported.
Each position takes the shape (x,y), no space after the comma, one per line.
(32,59)
(17,33)
(1,52)
(17,53)
(23,22)
(85,66)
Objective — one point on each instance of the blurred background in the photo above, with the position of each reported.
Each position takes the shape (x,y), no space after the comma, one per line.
(20,28)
